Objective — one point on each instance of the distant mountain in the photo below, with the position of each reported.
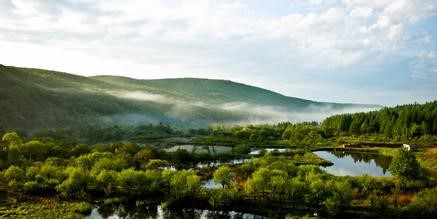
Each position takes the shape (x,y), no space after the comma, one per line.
(33,98)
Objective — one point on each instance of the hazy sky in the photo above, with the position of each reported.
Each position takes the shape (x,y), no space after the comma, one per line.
(362,51)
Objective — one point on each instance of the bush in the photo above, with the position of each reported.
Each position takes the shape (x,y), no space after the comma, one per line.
(221,197)
(84,208)
(76,185)
(425,203)
(33,187)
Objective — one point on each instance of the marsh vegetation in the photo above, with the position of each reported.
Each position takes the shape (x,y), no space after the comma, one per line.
(264,170)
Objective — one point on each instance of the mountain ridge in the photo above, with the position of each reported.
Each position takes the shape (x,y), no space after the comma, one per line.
(234,82)
(36,98)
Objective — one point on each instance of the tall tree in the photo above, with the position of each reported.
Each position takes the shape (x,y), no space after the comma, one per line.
(224,175)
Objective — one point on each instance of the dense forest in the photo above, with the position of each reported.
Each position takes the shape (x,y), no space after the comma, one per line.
(415,123)
(413,120)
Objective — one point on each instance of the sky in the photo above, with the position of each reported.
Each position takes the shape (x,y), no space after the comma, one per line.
(356,51)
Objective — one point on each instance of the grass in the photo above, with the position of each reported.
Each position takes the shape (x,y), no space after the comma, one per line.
(44,208)
(310,158)
(428,160)
(84,208)
(387,151)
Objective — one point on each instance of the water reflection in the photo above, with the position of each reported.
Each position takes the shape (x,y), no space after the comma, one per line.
(269,150)
(157,212)
(220,163)
(356,164)
(211,184)
(201,149)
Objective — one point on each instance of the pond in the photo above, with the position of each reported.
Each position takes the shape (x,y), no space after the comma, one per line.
(207,164)
(211,184)
(217,149)
(346,163)
(158,212)
(220,163)
(268,150)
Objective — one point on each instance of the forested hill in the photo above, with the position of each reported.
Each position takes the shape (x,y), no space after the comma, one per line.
(413,120)
(34,98)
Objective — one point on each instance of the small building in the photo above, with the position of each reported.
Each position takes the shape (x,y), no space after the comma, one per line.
(409,147)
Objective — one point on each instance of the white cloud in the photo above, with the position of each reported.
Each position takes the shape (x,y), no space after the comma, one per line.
(395,32)
(211,38)
(361,12)
(315,2)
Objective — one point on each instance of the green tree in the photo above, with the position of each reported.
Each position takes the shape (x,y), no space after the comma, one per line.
(107,181)
(184,183)
(136,183)
(318,191)
(296,191)
(404,165)
(12,139)
(416,130)
(221,197)
(157,163)
(80,149)
(142,157)
(108,164)
(87,161)
(76,184)
(49,175)
(34,150)
(340,198)
(224,175)
(258,183)
(278,183)
(13,177)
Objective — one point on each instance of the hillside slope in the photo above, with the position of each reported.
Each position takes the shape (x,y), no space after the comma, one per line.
(34,98)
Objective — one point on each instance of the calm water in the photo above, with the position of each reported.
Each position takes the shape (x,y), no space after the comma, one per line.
(356,164)
(201,149)
(220,163)
(157,212)
(211,184)
(268,150)
(208,164)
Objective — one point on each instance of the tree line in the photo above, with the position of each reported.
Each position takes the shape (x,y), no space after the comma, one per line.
(412,120)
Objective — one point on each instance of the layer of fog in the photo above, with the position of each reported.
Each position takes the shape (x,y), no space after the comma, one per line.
(273,114)
(245,113)
(141,96)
